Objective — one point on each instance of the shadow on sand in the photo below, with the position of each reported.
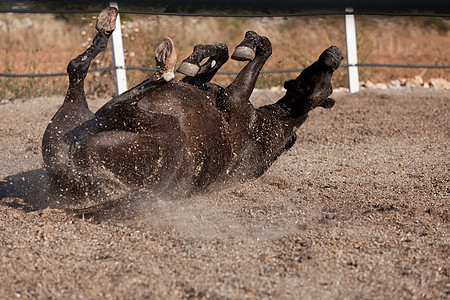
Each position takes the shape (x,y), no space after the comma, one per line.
(26,190)
(30,191)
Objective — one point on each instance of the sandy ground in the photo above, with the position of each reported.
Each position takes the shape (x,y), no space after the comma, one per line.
(357,209)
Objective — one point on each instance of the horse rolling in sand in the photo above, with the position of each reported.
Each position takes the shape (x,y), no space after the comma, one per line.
(179,137)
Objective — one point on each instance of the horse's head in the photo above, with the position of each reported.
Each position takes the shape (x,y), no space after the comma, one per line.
(313,86)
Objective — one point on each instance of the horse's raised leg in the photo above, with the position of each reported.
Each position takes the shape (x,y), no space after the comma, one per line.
(74,110)
(200,74)
(78,67)
(257,49)
(166,57)
(235,98)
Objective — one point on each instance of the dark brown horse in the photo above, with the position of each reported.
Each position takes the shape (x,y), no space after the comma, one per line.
(179,137)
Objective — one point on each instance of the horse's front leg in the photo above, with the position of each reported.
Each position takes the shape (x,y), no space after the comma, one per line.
(73,121)
(235,98)
(197,74)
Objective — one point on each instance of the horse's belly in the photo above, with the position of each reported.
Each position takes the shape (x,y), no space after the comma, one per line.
(206,150)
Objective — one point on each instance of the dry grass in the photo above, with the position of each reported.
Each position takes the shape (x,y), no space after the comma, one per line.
(45,44)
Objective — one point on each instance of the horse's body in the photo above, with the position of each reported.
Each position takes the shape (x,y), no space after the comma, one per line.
(183,136)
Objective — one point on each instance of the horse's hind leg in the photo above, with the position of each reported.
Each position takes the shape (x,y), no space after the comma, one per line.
(74,111)
(217,55)
(165,56)
(78,67)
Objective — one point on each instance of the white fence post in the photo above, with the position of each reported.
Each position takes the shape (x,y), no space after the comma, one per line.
(352,57)
(120,75)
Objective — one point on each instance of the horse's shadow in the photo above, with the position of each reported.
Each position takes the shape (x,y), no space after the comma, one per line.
(30,191)
(27,190)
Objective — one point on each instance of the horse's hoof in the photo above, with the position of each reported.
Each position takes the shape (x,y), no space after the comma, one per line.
(188,69)
(243,53)
(106,20)
(246,50)
(166,58)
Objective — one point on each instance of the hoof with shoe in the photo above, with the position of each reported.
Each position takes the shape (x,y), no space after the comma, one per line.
(188,69)
(106,20)
(166,58)
(246,50)
(243,53)
(216,53)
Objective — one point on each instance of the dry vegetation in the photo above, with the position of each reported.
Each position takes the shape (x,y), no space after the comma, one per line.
(45,44)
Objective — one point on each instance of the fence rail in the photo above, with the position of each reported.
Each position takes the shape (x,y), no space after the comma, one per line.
(313,14)
(131,68)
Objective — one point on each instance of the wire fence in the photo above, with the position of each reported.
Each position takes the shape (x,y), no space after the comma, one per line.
(343,13)
(147,69)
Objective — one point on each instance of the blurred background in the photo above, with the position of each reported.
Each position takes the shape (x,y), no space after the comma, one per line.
(40,43)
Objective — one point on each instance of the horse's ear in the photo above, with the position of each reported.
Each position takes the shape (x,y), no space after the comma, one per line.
(327,103)
(288,84)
